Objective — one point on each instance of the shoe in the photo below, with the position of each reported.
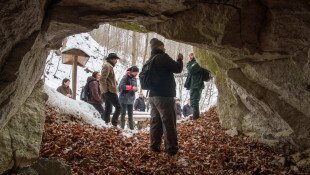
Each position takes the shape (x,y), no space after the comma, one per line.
(173,153)
(157,150)
(196,114)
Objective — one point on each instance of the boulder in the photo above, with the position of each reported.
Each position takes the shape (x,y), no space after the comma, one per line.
(20,139)
(46,166)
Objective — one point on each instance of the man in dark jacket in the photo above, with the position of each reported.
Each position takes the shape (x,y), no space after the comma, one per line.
(127,89)
(139,103)
(108,86)
(187,109)
(94,93)
(194,83)
(162,93)
(65,89)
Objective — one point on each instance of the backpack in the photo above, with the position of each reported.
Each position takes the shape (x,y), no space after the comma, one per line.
(83,95)
(206,76)
(145,75)
(85,92)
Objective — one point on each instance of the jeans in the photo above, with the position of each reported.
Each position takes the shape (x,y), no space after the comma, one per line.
(163,123)
(100,109)
(195,95)
(112,100)
(129,108)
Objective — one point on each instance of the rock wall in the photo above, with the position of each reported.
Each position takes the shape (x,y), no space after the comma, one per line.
(21,137)
(258,51)
(262,64)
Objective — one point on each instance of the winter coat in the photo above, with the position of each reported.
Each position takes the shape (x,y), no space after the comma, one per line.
(107,81)
(163,83)
(139,104)
(127,95)
(187,110)
(178,109)
(194,78)
(94,96)
(64,90)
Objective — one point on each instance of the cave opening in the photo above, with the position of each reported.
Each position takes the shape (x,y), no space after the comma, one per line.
(258,52)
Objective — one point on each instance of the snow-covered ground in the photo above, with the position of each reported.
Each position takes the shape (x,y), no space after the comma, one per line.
(76,108)
(55,71)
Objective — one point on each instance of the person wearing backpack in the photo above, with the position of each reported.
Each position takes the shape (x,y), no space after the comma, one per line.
(162,86)
(92,89)
(195,83)
(108,86)
(127,88)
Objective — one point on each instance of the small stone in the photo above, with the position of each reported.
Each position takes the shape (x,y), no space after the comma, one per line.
(232,132)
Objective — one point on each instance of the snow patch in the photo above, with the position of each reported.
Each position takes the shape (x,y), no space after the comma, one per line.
(78,109)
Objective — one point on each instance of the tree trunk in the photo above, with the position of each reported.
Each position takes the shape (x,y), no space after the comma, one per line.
(134,49)
(145,48)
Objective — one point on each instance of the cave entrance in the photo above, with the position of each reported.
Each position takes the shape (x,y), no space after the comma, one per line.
(133,49)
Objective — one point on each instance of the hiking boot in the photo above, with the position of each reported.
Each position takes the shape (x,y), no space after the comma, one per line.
(157,150)
(196,114)
(172,153)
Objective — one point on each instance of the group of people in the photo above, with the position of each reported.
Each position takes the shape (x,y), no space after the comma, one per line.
(163,107)
(186,111)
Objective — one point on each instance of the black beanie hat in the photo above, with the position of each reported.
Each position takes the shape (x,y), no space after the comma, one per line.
(112,56)
(133,69)
(155,43)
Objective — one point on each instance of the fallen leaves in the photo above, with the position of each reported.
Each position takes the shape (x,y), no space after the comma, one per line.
(204,149)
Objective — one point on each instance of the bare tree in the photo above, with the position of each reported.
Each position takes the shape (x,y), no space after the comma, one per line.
(145,48)
(134,49)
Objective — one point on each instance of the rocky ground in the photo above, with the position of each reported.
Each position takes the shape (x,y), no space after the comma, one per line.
(205,148)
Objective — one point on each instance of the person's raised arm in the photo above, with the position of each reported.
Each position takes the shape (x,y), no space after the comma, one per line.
(173,66)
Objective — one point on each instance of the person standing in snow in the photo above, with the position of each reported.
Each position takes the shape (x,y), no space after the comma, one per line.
(128,88)
(178,109)
(65,88)
(139,103)
(187,109)
(194,83)
(94,94)
(162,93)
(108,86)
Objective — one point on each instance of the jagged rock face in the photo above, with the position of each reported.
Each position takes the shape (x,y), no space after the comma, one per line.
(21,137)
(257,50)
(262,64)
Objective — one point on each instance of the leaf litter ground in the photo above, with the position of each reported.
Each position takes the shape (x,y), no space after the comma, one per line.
(205,148)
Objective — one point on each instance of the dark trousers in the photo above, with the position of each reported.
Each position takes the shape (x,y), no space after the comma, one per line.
(195,95)
(112,100)
(129,109)
(100,109)
(163,123)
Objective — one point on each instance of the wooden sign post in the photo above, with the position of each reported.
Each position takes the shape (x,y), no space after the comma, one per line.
(74,57)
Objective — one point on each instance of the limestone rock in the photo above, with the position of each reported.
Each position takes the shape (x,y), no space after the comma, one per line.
(46,166)
(232,132)
(21,137)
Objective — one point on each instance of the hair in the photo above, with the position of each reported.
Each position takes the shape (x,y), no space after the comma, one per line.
(133,69)
(95,74)
(65,80)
